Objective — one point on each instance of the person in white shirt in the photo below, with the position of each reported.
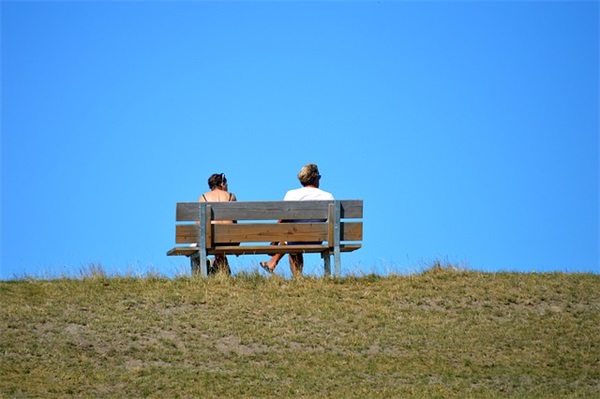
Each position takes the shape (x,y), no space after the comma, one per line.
(309,178)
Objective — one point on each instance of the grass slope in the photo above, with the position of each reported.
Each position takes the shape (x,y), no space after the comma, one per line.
(443,333)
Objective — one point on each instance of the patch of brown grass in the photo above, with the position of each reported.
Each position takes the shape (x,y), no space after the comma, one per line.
(442,333)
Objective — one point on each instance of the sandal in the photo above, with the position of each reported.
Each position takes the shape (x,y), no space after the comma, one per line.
(267,268)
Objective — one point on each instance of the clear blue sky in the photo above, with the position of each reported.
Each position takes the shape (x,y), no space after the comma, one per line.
(469,129)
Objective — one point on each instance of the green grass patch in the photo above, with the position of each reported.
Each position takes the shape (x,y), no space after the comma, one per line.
(440,334)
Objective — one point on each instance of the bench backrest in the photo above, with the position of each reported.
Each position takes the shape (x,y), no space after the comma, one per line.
(327,221)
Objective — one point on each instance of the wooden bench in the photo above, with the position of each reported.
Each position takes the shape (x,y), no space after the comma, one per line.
(337,224)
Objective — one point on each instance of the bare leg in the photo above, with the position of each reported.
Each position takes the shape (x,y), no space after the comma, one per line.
(273,262)
(222,264)
(296,264)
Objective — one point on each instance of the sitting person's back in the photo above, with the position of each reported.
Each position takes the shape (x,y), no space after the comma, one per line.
(219,193)
(310,179)
(308,193)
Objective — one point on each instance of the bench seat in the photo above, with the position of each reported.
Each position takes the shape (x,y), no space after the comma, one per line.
(261,249)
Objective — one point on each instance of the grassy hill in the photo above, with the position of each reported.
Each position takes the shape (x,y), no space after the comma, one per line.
(443,333)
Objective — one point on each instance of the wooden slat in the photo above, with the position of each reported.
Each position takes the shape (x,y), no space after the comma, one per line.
(254,232)
(268,210)
(351,209)
(186,233)
(268,232)
(187,251)
(351,231)
(261,249)
(258,249)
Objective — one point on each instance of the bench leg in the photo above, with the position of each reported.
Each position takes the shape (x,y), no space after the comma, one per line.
(197,265)
(327,263)
(337,262)
(203,265)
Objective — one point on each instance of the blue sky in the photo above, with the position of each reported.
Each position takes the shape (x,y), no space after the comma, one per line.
(469,129)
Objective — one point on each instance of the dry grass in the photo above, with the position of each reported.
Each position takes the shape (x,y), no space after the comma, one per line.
(443,333)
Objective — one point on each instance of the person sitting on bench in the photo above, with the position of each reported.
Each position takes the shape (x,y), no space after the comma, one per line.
(218,193)
(310,179)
